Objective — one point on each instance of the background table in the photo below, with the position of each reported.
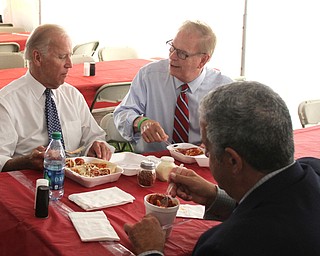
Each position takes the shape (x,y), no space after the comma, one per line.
(20,38)
(106,72)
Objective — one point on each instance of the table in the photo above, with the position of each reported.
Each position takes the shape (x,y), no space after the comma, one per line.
(23,234)
(106,72)
(20,38)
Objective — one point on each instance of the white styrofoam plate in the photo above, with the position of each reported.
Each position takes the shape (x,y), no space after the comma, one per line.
(202,161)
(179,156)
(130,162)
(93,181)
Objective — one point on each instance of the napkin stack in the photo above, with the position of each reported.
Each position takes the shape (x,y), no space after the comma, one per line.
(93,226)
(103,198)
(191,211)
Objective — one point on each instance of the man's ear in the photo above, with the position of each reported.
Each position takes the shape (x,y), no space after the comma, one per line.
(36,57)
(234,160)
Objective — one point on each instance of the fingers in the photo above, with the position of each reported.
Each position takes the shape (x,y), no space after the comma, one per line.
(100,150)
(127,228)
(152,131)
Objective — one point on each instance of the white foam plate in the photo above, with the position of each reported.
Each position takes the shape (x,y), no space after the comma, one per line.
(93,181)
(179,156)
(130,162)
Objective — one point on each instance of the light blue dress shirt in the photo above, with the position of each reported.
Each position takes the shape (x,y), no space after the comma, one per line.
(153,94)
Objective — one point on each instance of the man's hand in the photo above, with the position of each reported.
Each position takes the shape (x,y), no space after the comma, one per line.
(100,150)
(146,235)
(191,186)
(152,131)
(33,161)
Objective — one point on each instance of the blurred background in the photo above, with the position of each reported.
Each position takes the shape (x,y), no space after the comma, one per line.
(280,46)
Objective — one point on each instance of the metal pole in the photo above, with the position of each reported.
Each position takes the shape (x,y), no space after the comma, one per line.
(244,34)
(39,12)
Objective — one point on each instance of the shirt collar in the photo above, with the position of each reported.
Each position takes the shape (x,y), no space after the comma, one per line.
(193,85)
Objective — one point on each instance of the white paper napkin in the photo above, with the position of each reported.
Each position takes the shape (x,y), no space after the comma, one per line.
(93,226)
(103,198)
(191,211)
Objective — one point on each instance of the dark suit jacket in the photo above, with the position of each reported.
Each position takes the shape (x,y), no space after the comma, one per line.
(281,217)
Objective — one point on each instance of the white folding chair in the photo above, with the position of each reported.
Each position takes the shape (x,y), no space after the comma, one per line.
(109,93)
(117,53)
(80,58)
(11,60)
(9,47)
(6,25)
(113,136)
(309,112)
(88,48)
(9,29)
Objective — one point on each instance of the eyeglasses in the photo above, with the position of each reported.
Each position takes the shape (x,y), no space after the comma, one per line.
(180,53)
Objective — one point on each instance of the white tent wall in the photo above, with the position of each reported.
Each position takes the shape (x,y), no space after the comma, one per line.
(282,46)
(283,49)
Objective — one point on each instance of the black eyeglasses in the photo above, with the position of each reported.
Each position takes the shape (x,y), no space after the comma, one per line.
(180,53)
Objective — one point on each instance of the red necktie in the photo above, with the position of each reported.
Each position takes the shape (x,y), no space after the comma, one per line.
(181,117)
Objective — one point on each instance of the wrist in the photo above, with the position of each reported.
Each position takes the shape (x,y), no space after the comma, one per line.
(141,120)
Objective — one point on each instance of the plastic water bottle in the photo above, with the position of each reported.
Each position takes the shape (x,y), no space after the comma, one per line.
(54,164)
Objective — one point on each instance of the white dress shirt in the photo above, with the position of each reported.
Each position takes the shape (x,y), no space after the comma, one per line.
(23,123)
(154,93)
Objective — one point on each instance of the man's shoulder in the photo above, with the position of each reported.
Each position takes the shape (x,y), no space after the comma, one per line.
(157,65)
(216,74)
(310,162)
(14,86)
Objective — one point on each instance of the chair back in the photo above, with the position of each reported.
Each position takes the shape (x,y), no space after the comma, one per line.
(309,112)
(6,25)
(113,93)
(112,134)
(80,58)
(11,60)
(88,48)
(9,47)
(117,53)
(8,29)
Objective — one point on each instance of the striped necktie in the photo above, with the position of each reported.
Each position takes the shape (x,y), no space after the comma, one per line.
(181,117)
(53,122)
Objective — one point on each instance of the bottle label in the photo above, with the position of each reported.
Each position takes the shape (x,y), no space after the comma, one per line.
(55,178)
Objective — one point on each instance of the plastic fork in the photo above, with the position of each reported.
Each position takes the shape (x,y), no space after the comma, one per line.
(74,152)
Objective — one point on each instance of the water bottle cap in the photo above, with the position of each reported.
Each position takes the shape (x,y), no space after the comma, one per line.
(56,135)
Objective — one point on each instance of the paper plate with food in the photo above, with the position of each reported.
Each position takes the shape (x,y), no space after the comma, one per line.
(185,152)
(90,171)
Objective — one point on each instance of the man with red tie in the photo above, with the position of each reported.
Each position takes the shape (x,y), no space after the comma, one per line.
(162,104)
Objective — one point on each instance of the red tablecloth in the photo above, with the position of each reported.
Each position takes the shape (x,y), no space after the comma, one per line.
(23,234)
(20,38)
(307,142)
(106,72)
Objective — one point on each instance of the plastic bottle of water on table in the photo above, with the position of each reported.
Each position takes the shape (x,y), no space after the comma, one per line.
(54,164)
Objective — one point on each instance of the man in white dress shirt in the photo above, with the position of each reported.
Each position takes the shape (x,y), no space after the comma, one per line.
(23,129)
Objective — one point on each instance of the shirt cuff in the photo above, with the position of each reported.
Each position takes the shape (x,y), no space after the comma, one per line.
(151,253)
(221,208)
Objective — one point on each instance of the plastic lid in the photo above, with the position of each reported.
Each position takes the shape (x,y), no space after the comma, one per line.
(167,159)
(147,165)
(56,135)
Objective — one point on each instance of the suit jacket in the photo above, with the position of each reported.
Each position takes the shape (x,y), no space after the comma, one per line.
(280,217)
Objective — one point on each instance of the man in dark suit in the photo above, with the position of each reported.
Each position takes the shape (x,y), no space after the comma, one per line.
(268,202)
